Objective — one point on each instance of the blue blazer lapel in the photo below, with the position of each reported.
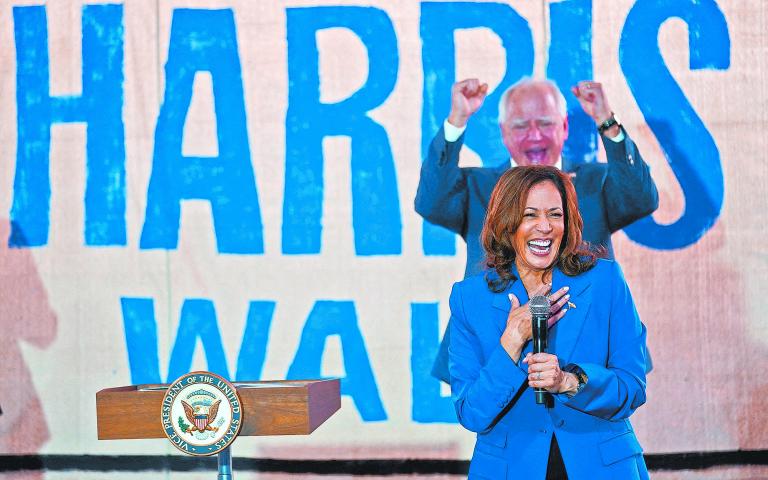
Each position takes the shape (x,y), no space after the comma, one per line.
(565,333)
(502,304)
(568,329)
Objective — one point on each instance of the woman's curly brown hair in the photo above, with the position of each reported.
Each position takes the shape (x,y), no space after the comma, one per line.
(505,213)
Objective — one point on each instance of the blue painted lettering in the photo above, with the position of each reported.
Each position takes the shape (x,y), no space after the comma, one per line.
(339,318)
(689,147)
(375,201)
(203,40)
(100,107)
(428,405)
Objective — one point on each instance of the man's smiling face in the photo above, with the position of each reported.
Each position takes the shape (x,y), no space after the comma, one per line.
(534,130)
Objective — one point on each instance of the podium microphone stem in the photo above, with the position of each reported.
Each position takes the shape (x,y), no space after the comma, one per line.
(225,464)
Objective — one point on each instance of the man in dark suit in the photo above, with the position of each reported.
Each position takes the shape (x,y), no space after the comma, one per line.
(534,126)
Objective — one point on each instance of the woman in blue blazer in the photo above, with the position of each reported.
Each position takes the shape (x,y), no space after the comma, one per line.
(594,371)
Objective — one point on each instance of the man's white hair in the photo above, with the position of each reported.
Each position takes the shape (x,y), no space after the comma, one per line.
(562,106)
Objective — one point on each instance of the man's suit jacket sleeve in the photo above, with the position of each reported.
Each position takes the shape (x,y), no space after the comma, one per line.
(629,191)
(441,197)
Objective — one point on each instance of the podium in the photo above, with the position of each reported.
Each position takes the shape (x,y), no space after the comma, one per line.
(280,407)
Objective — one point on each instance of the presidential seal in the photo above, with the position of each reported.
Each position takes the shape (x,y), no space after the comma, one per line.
(201,413)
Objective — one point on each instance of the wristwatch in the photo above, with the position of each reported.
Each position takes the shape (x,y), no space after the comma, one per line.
(581,376)
(612,120)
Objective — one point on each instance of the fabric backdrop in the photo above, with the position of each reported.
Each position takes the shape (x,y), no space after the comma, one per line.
(228,185)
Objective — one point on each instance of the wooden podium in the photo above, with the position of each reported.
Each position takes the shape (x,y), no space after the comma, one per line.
(282,407)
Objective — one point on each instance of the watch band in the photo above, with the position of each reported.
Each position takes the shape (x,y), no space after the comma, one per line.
(612,120)
(580,374)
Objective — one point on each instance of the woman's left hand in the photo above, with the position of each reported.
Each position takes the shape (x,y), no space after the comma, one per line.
(544,372)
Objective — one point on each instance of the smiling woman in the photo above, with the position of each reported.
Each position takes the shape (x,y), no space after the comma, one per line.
(539,234)
(539,207)
(594,369)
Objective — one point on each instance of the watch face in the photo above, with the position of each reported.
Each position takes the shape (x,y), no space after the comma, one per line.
(580,374)
(613,120)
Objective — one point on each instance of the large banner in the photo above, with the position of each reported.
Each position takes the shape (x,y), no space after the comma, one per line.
(229,186)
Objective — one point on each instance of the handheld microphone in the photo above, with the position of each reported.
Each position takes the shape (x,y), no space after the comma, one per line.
(539,307)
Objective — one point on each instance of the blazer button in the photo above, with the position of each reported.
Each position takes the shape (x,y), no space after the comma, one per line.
(561,423)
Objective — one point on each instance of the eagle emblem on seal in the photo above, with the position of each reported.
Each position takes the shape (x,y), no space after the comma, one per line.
(201,411)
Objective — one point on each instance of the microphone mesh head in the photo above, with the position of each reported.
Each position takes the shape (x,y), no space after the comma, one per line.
(539,305)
